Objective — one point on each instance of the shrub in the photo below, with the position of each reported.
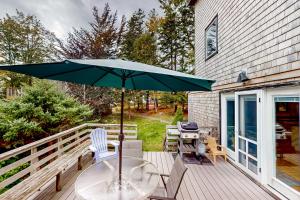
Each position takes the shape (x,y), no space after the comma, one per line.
(41,111)
(178,116)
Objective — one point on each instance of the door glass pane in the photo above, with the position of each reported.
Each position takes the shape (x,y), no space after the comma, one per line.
(248,117)
(242,159)
(252,149)
(230,125)
(242,144)
(252,165)
(287,139)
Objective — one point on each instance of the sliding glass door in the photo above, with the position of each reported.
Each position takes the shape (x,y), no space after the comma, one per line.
(287,140)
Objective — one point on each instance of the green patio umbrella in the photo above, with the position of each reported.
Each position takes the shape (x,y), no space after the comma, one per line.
(115,73)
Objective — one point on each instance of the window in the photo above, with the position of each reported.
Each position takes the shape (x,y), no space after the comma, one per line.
(211,39)
(230,124)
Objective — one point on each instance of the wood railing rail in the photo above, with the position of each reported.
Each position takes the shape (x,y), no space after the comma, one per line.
(37,155)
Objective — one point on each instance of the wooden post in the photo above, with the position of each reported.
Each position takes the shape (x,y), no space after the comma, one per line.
(33,161)
(77,133)
(59,146)
(58,182)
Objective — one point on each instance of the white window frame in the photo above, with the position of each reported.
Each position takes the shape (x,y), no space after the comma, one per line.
(224,98)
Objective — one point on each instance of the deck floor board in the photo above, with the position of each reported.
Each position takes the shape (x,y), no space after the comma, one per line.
(201,182)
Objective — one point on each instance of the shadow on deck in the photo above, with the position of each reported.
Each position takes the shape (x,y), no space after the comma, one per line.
(222,181)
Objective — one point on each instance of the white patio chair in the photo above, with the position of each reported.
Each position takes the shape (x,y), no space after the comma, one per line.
(99,145)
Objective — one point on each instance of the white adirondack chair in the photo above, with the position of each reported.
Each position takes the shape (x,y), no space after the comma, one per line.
(99,145)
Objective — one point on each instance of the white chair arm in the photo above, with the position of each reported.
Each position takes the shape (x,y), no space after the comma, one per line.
(92,148)
(114,143)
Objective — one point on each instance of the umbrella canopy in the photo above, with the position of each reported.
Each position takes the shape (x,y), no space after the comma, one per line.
(111,73)
(117,74)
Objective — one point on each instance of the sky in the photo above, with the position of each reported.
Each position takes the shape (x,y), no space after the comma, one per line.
(60,16)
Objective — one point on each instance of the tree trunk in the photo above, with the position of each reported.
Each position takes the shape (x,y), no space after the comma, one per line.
(129,110)
(138,104)
(175,107)
(147,101)
(84,93)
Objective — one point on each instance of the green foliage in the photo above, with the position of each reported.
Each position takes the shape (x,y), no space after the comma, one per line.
(11,172)
(176,35)
(144,49)
(178,116)
(42,111)
(169,99)
(135,28)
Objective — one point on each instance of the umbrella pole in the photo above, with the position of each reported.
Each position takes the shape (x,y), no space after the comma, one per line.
(121,136)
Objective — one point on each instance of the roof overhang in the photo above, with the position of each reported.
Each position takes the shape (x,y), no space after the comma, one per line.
(192,2)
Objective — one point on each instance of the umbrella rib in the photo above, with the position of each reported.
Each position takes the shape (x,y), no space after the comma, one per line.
(189,82)
(161,82)
(66,72)
(101,77)
(129,75)
(139,74)
(109,71)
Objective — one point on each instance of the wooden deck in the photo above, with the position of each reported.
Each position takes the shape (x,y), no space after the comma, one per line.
(222,181)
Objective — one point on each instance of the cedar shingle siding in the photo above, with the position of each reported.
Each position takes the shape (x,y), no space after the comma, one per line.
(261,37)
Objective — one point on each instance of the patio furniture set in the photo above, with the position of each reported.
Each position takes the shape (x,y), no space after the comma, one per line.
(140,177)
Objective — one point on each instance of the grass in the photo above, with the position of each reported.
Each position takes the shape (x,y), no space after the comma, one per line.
(152,132)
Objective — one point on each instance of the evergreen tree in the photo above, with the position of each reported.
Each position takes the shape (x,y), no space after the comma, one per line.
(40,112)
(144,49)
(176,36)
(134,29)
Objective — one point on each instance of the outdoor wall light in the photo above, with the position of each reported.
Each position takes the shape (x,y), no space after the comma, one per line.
(242,77)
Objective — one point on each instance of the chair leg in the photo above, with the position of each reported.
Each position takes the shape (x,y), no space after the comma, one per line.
(214,159)
(225,158)
(79,167)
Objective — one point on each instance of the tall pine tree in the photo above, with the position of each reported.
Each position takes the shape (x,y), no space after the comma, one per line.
(134,29)
(176,35)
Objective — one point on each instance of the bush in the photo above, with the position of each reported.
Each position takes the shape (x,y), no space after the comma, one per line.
(178,116)
(41,111)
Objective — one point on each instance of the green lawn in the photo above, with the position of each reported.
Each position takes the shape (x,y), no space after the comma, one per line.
(152,132)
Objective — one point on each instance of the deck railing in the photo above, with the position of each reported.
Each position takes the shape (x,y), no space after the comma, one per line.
(26,160)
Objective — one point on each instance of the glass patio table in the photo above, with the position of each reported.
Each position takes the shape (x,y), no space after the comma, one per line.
(101,182)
